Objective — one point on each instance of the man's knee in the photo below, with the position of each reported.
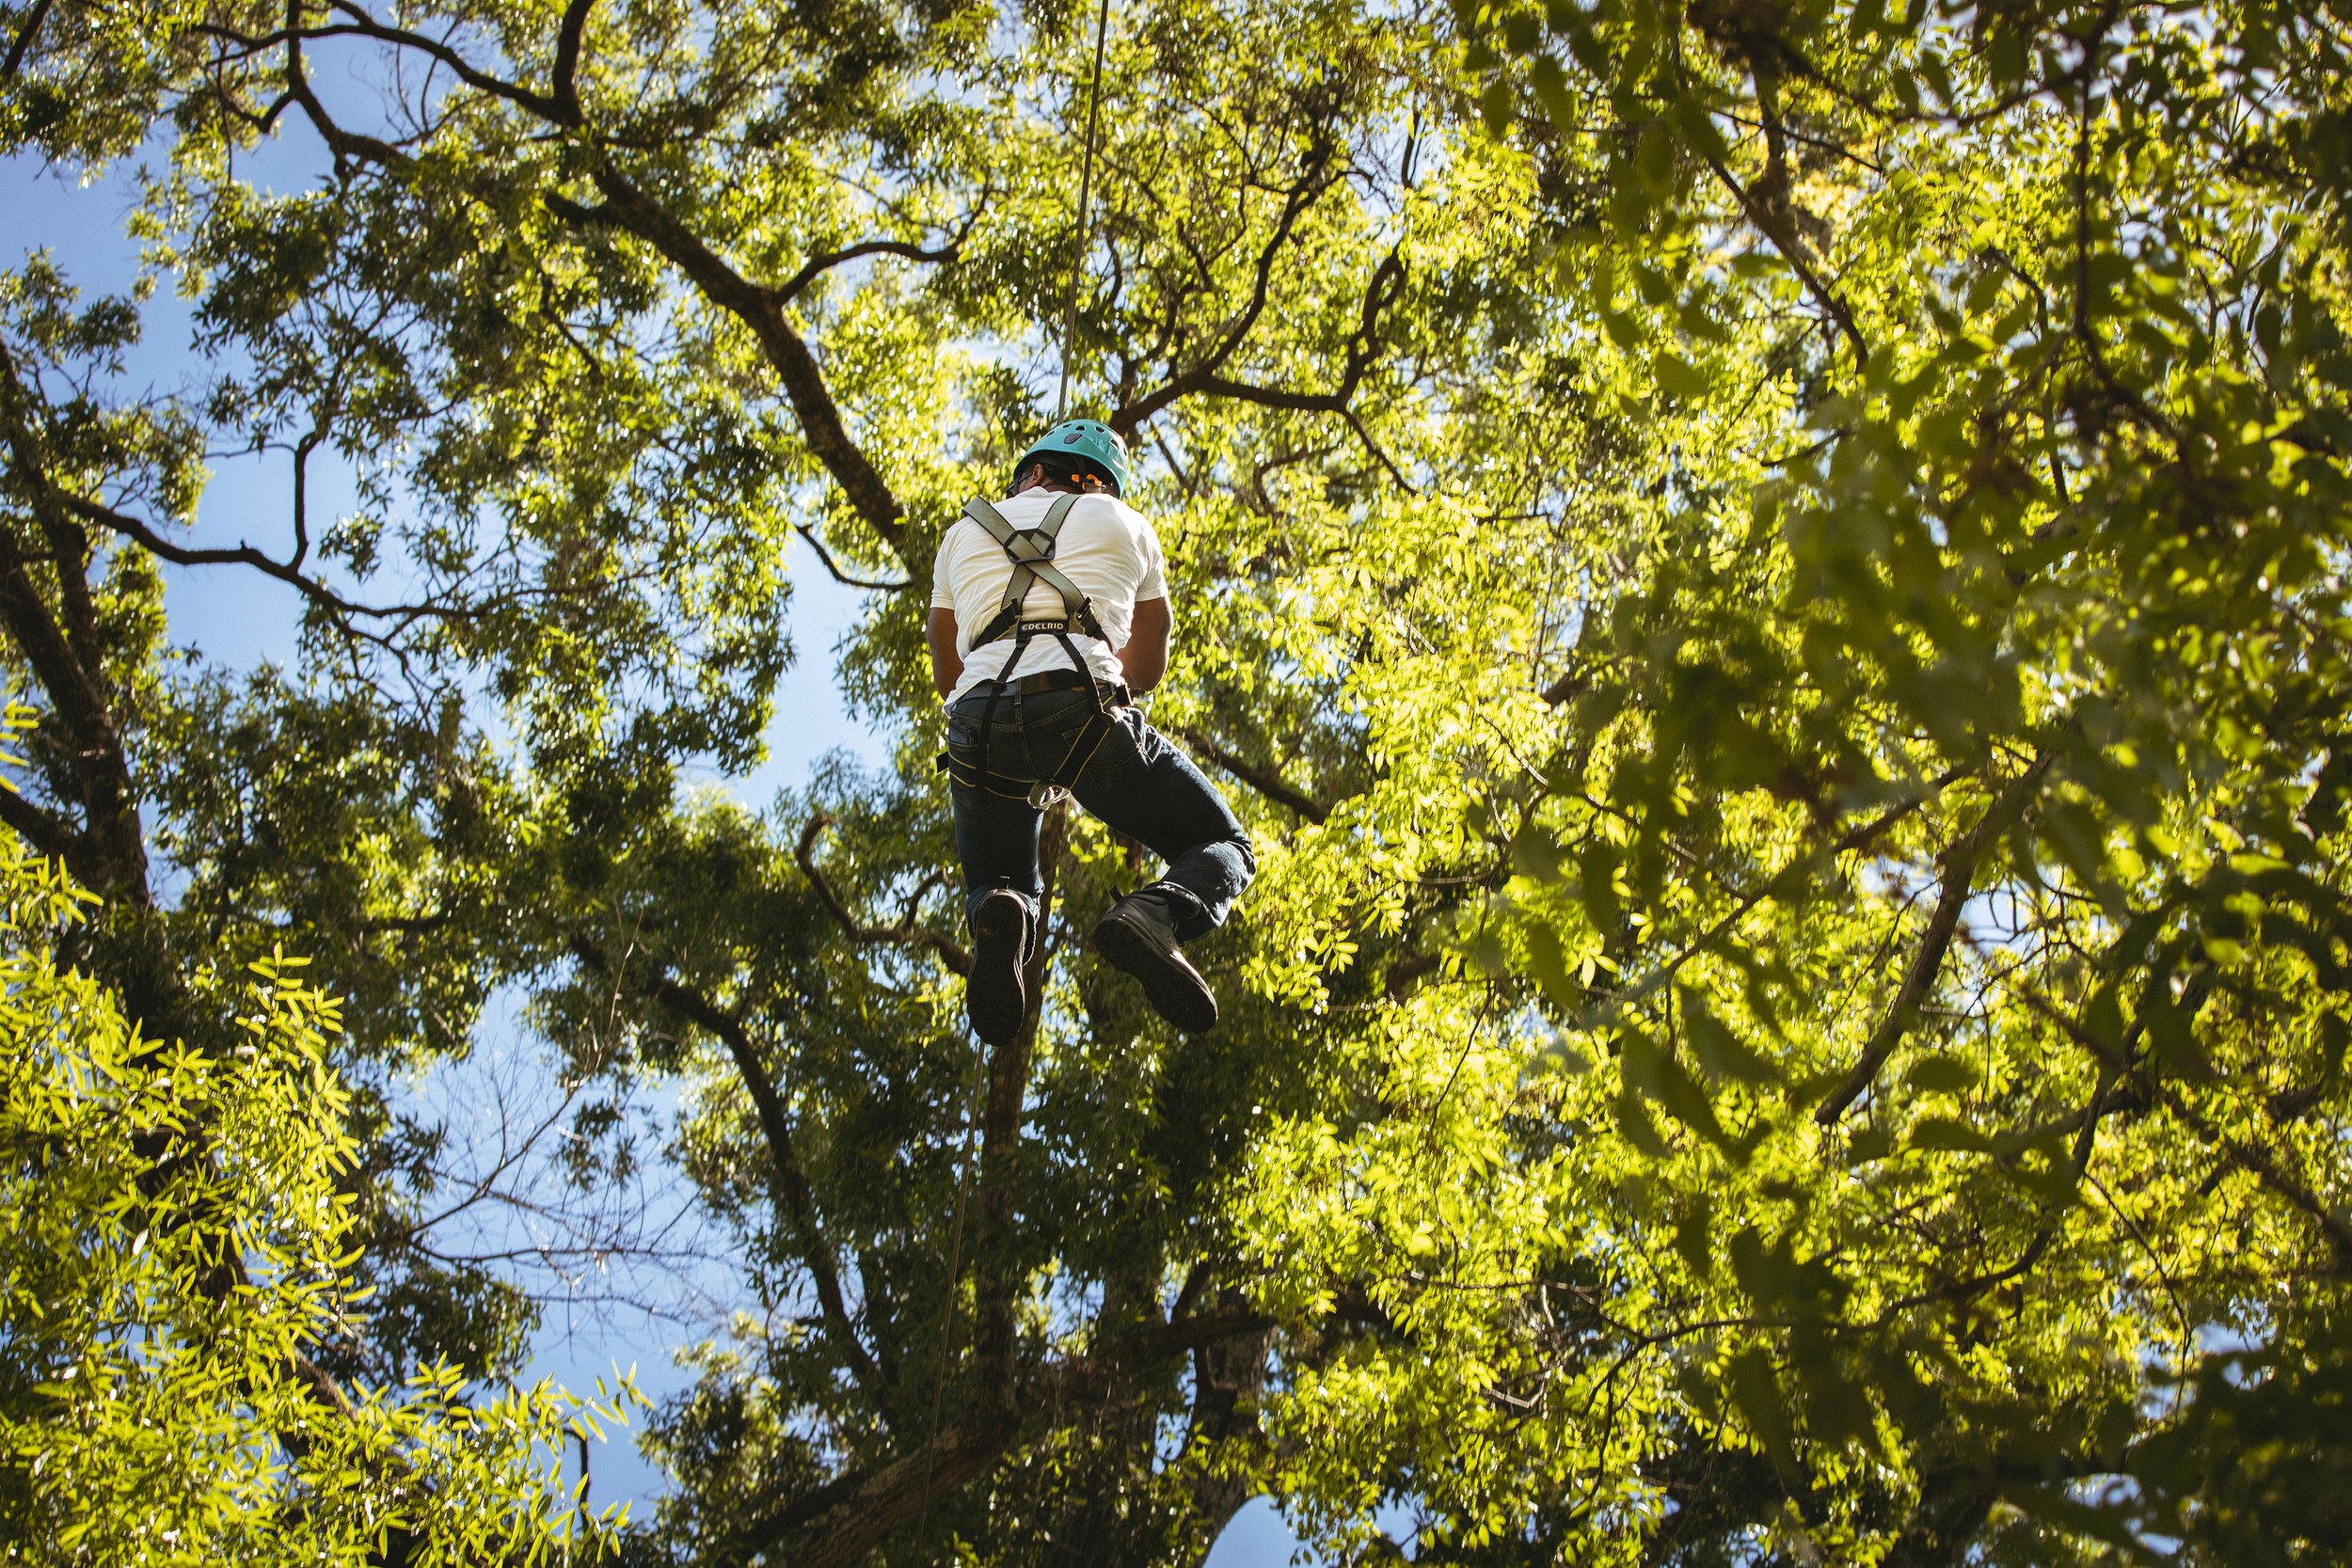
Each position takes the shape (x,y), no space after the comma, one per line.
(1245,856)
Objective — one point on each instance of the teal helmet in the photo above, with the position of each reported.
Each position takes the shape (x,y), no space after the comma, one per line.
(1088,443)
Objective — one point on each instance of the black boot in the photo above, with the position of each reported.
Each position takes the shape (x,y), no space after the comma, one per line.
(994,996)
(1138,934)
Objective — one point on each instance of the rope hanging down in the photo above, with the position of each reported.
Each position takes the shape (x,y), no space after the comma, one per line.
(1085,190)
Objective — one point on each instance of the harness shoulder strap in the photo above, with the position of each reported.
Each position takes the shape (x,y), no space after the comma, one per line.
(1031,551)
(1056,515)
(980,512)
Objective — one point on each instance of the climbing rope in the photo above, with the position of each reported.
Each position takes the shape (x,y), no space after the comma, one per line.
(1085,190)
(980,1086)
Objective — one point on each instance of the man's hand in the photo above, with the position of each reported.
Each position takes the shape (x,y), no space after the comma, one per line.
(946,661)
(1144,659)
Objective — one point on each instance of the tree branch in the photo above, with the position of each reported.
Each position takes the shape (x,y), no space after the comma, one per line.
(1310,186)
(2241,1151)
(854,1511)
(839,575)
(795,1208)
(113,842)
(45,833)
(1959,869)
(364,25)
(906,931)
(627,208)
(568,61)
(24,41)
(1363,352)
(1265,782)
(343,144)
(849,1529)
(245,555)
(1792,249)
(818,265)
(997,1278)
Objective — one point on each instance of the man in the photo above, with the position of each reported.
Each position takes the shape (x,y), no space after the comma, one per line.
(1049,612)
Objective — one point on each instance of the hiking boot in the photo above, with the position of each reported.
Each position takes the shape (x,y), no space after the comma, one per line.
(992,995)
(1138,934)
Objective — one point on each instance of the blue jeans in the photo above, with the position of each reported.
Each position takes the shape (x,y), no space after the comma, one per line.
(1133,780)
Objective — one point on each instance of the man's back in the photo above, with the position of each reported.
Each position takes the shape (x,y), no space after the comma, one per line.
(1107,550)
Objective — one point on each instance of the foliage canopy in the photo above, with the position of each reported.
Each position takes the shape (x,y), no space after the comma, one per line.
(175,1253)
(1769,574)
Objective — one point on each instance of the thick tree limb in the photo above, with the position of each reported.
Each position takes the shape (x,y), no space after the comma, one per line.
(1264,781)
(1398,980)
(906,931)
(567,39)
(854,1514)
(44,832)
(1570,684)
(1123,1355)
(995,1279)
(796,1209)
(24,37)
(114,859)
(1959,870)
(630,209)
(963,1449)
(844,1534)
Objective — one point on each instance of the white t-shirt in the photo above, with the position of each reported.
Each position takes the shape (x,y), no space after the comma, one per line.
(1105,547)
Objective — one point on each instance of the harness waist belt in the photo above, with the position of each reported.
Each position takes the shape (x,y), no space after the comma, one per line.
(1056,680)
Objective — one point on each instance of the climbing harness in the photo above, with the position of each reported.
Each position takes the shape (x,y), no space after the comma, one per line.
(1031,552)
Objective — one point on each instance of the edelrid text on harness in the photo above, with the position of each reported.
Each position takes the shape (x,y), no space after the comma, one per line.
(1031,552)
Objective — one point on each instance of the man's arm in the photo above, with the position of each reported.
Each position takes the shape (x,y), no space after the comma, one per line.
(1144,659)
(946,662)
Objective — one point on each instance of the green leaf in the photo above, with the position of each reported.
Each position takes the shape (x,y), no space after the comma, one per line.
(1656,1074)
(1755,1391)
(1720,1052)
(1694,1238)
(1535,854)
(1642,1133)
(1678,376)
(1946,1132)
(1494,109)
(1654,162)
(1549,964)
(1943,1075)
(1552,91)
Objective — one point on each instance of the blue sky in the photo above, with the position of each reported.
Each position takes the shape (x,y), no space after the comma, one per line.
(239,620)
